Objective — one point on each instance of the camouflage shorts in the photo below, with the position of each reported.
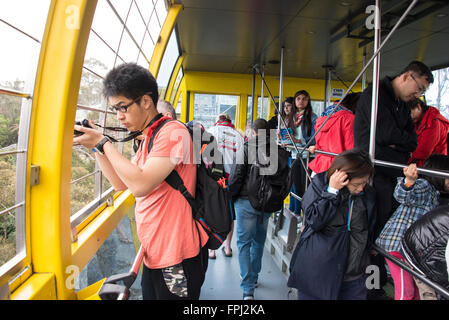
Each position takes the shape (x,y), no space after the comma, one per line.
(176,280)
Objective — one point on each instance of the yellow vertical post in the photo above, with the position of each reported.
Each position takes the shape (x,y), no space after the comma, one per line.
(164,36)
(242,111)
(173,78)
(50,145)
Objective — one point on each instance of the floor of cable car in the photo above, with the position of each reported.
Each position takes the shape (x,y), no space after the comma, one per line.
(223,278)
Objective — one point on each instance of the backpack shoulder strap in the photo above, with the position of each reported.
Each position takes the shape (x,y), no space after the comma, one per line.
(159,127)
(173,179)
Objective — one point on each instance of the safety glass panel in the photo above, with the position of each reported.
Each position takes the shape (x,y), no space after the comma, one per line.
(208,106)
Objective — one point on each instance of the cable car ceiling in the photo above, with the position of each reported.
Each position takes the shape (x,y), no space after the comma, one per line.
(233,35)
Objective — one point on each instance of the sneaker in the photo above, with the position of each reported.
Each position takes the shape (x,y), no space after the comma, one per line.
(248,297)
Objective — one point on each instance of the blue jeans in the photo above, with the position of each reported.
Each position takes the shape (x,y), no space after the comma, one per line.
(295,204)
(251,235)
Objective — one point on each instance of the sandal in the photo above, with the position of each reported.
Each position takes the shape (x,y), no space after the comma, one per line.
(224,252)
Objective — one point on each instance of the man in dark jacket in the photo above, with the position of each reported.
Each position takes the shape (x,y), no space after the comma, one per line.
(395,135)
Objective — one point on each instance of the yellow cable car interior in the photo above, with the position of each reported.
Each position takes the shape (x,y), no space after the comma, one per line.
(63,228)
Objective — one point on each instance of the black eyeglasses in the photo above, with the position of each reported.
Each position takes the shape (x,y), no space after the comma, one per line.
(421,90)
(124,108)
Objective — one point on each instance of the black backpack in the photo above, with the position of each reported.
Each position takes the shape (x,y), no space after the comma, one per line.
(266,193)
(212,206)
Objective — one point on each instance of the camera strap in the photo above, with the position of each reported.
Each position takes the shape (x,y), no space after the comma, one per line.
(132,135)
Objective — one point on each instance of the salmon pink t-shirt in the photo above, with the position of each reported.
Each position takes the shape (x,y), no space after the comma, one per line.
(165,226)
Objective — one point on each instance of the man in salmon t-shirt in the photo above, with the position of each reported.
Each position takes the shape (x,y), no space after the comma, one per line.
(174,265)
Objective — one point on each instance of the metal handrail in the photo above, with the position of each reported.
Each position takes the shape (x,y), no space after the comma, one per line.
(412,271)
(382,163)
(15,93)
(12,208)
(7,153)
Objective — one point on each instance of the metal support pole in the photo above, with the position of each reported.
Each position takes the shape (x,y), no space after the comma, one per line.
(375,92)
(364,74)
(326,76)
(281,86)
(329,87)
(262,92)
(252,95)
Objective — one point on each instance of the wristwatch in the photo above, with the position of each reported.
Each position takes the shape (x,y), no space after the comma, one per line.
(99,146)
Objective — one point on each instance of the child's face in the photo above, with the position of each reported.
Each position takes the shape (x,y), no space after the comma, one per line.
(446,185)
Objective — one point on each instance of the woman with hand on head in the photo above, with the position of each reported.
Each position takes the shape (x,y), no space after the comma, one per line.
(332,254)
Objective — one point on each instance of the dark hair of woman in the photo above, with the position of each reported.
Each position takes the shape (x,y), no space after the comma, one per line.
(289,119)
(307,117)
(438,162)
(350,101)
(355,163)
(413,104)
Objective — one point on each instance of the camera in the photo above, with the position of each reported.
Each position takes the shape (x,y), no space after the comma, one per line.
(84,123)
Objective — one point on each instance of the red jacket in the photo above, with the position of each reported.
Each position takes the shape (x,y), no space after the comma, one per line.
(336,136)
(432,136)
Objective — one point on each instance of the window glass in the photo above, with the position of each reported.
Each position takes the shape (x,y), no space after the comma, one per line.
(22,25)
(115,256)
(437,94)
(261,112)
(168,63)
(208,106)
(317,107)
(176,84)
(109,45)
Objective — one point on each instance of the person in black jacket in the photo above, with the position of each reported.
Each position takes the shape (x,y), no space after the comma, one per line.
(331,257)
(251,224)
(395,135)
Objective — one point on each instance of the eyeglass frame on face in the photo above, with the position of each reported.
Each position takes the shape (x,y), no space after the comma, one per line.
(124,108)
(356,185)
(420,91)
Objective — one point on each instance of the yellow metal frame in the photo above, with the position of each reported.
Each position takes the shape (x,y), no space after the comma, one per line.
(164,36)
(173,78)
(50,147)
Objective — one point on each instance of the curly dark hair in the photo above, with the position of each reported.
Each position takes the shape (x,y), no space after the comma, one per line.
(131,81)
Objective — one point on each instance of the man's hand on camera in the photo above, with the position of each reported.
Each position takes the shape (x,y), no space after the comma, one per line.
(90,137)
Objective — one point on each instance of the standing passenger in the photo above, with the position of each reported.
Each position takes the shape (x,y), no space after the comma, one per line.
(337,133)
(230,143)
(173,267)
(166,109)
(251,223)
(431,128)
(305,121)
(395,136)
(331,257)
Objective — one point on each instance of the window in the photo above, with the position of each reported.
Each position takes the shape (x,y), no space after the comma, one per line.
(22,25)
(208,106)
(438,93)
(122,31)
(167,65)
(262,111)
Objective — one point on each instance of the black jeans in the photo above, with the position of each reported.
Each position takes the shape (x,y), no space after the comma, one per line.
(155,288)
